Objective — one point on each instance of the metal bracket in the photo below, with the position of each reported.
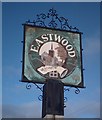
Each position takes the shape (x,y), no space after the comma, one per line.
(77,91)
(52,20)
(28,86)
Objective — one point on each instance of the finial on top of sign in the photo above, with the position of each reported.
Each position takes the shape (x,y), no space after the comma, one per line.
(52,20)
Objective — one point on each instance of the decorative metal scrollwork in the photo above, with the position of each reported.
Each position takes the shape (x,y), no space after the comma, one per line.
(65,99)
(52,20)
(77,91)
(28,86)
(67,89)
(40,97)
(40,88)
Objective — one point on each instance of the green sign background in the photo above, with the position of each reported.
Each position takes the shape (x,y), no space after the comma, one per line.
(75,78)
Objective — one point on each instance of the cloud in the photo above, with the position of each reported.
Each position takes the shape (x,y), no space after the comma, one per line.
(27,110)
(83,109)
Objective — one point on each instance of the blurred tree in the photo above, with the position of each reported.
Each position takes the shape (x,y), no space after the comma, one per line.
(62,53)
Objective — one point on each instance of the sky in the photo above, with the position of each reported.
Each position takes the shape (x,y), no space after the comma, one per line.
(17,101)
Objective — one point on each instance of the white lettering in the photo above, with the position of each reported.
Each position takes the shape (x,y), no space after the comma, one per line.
(39,42)
(64,42)
(35,49)
(69,47)
(44,37)
(50,36)
(71,53)
(58,38)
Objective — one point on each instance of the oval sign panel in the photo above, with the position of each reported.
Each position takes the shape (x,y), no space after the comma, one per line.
(52,54)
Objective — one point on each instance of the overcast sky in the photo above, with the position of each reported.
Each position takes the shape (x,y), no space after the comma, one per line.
(17,100)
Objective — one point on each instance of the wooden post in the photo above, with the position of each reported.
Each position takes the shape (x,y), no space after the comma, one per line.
(53,100)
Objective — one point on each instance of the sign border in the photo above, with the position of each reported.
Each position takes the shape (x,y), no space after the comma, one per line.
(24,79)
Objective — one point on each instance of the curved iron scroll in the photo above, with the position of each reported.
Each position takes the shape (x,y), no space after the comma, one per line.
(77,91)
(40,88)
(40,97)
(65,99)
(52,20)
(67,89)
(28,86)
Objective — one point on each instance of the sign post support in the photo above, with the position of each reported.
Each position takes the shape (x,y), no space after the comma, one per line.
(52,56)
(53,99)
